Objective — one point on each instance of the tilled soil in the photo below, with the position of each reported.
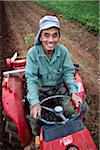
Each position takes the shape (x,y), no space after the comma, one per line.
(19,27)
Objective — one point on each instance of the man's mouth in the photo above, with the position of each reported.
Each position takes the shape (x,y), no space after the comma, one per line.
(50,45)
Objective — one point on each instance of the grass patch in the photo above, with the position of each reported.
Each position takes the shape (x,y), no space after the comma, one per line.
(85,12)
(26,40)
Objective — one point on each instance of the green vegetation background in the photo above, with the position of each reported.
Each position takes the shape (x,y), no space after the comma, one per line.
(85,12)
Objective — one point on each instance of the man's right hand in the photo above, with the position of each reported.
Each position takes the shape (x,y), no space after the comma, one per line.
(35,110)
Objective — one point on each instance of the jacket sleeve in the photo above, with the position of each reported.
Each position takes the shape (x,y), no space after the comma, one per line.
(31,75)
(68,74)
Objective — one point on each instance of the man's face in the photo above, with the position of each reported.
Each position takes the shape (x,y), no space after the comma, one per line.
(49,38)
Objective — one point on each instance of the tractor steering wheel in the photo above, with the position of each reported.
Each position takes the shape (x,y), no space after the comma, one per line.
(58,109)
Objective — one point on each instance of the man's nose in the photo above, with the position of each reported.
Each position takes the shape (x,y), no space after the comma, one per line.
(50,39)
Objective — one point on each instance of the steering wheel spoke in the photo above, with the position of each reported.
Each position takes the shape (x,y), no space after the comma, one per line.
(47,108)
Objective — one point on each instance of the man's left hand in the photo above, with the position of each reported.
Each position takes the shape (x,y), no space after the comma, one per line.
(76,99)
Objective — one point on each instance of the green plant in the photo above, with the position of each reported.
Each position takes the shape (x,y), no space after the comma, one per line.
(26,40)
(86,12)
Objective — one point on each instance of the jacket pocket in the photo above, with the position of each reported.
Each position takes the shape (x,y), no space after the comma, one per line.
(57,74)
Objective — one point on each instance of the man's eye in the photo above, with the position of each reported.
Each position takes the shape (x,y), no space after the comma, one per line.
(46,35)
(55,35)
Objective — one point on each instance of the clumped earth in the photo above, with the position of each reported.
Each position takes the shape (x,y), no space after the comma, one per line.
(19,26)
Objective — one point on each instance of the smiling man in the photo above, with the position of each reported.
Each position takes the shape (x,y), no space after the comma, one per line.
(49,38)
(48,65)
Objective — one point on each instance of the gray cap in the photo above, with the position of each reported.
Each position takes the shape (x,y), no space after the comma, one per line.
(45,23)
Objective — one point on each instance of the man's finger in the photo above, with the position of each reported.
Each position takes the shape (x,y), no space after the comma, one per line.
(35,114)
(39,112)
(77,104)
(31,113)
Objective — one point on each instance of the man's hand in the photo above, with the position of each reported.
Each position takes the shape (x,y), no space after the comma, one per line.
(35,110)
(76,99)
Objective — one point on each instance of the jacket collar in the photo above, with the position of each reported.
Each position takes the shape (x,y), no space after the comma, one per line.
(56,53)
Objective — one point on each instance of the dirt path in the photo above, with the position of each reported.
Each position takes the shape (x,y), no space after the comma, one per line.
(23,20)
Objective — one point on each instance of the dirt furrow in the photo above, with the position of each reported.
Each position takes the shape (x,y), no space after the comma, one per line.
(17,18)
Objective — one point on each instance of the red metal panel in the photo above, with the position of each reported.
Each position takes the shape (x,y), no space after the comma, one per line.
(13,106)
(81,139)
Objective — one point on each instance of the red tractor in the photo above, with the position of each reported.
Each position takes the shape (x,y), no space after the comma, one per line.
(63,132)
